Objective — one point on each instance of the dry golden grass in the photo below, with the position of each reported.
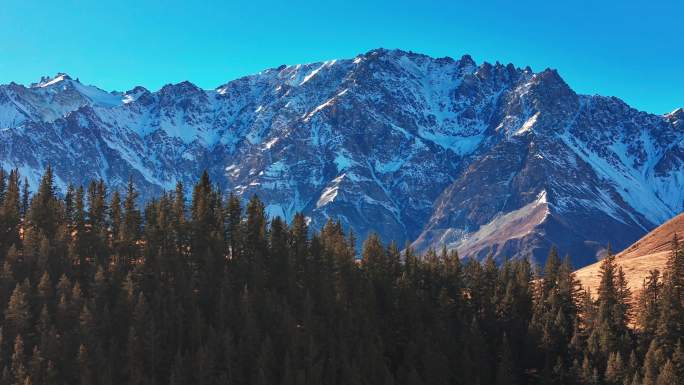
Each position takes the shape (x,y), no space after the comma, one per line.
(648,253)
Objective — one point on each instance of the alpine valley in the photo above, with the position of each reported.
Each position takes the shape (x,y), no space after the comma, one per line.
(434,151)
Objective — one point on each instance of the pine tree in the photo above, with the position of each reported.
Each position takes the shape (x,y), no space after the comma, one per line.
(18,361)
(615,370)
(624,299)
(678,362)
(505,374)
(135,358)
(233,226)
(648,305)
(3,185)
(10,214)
(115,217)
(670,326)
(610,323)
(675,266)
(667,375)
(86,376)
(652,364)
(374,258)
(24,198)
(51,373)
(36,367)
(45,211)
(79,249)
(69,207)
(131,221)
(280,268)
(17,316)
(255,241)
(97,206)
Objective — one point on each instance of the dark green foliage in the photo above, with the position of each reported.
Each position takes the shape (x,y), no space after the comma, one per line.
(99,291)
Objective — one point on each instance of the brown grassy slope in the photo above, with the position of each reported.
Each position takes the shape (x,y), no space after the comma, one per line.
(648,253)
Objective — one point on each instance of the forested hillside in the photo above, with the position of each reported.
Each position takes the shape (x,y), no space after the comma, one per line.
(96,290)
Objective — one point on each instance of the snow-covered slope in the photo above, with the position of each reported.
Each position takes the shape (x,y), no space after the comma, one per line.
(439,150)
(609,174)
(49,99)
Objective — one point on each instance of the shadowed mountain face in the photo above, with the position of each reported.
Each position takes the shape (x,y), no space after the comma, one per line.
(481,158)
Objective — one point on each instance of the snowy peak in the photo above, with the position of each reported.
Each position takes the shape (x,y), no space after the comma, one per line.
(134,94)
(184,96)
(50,99)
(47,81)
(466,63)
(549,91)
(180,89)
(676,116)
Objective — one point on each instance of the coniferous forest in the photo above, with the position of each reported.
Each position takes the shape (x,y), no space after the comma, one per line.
(197,289)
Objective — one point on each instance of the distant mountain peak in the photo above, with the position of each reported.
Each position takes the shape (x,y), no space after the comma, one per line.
(182,88)
(46,81)
(678,113)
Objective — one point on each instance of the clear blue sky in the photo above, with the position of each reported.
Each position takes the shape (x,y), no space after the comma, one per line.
(633,50)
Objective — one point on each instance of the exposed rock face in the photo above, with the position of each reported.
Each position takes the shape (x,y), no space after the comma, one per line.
(487,158)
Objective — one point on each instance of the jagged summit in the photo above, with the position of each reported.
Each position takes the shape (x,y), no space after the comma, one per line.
(676,114)
(137,90)
(181,87)
(46,81)
(482,158)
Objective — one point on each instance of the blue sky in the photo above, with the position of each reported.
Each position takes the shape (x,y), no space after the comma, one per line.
(633,50)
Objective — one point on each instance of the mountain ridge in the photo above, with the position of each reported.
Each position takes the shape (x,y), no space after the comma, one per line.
(432,150)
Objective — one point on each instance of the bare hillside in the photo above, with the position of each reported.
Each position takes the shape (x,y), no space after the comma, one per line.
(648,253)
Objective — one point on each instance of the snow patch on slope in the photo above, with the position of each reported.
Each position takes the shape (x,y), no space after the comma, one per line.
(51,81)
(527,125)
(330,193)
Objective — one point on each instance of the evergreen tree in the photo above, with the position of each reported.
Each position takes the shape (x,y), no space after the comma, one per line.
(24,198)
(115,217)
(611,318)
(10,214)
(17,315)
(233,226)
(667,375)
(653,361)
(86,377)
(18,362)
(131,221)
(678,361)
(670,328)
(648,305)
(3,185)
(45,211)
(615,370)
(505,369)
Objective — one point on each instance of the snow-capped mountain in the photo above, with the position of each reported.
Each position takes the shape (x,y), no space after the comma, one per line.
(482,158)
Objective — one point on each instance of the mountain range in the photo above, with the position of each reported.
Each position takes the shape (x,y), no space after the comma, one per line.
(484,158)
